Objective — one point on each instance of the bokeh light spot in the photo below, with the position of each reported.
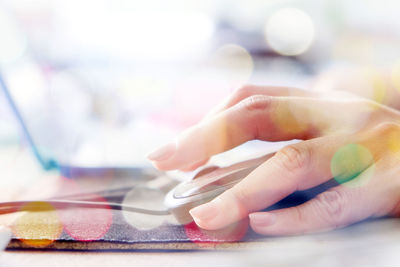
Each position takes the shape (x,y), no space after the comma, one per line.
(393,141)
(85,224)
(378,85)
(349,162)
(395,76)
(235,63)
(290,31)
(145,198)
(39,226)
(206,238)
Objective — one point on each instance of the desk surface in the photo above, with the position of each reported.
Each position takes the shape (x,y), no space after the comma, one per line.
(366,244)
(372,243)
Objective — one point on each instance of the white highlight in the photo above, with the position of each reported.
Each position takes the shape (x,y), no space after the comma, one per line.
(5,237)
(290,31)
(12,43)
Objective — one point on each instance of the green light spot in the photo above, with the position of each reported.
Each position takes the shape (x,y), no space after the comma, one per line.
(349,162)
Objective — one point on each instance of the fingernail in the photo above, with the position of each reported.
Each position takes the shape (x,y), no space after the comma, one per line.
(163,152)
(205,212)
(262,218)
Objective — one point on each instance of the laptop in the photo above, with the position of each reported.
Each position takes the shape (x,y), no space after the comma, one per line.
(51,139)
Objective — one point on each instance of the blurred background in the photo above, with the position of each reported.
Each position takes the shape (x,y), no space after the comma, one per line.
(106,81)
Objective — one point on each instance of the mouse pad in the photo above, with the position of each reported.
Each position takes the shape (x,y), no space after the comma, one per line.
(111,229)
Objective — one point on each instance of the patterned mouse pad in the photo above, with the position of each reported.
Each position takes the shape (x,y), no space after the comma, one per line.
(54,228)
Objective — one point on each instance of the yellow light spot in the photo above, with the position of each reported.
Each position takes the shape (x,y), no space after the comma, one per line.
(395,76)
(39,226)
(393,142)
(379,87)
(372,85)
(290,119)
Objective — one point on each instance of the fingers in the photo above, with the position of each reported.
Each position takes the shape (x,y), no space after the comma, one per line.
(347,158)
(296,167)
(335,208)
(257,117)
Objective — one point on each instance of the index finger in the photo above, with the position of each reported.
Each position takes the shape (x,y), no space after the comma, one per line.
(257,117)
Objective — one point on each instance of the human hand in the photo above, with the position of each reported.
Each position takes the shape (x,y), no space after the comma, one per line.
(381,85)
(356,141)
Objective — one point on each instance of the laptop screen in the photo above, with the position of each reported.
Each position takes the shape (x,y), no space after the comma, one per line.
(47,126)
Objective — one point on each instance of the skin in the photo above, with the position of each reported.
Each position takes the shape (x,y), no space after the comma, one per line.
(354,140)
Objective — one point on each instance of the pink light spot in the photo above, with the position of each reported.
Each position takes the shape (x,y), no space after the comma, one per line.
(84,224)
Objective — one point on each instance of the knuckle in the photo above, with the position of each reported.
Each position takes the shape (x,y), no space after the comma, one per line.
(256,103)
(331,207)
(294,158)
(255,109)
(387,128)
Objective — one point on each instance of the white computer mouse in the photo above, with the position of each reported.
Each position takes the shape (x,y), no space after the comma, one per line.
(207,185)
